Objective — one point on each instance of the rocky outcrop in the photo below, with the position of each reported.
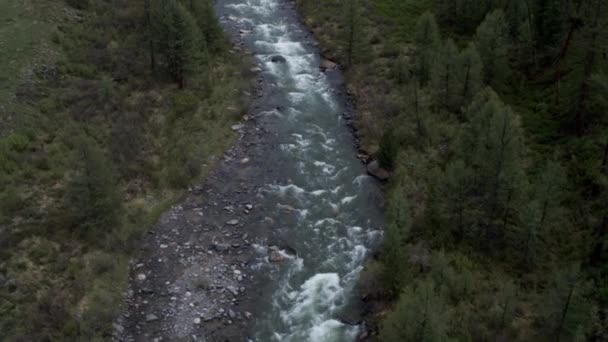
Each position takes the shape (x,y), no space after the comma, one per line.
(327,65)
(375,170)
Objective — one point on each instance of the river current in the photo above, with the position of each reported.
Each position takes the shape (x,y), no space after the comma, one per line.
(337,216)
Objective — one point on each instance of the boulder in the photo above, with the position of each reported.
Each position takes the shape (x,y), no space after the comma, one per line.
(374,169)
(276,256)
(278,59)
(326,64)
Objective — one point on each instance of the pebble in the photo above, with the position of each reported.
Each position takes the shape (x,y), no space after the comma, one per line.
(232,222)
(141,277)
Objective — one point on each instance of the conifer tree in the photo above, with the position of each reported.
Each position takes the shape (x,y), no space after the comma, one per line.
(544,213)
(444,76)
(566,314)
(549,25)
(202,11)
(398,219)
(178,38)
(505,302)
(492,143)
(493,43)
(352,33)
(470,69)
(454,199)
(427,42)
(420,315)
(91,197)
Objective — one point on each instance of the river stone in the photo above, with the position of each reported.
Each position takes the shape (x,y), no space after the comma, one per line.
(278,59)
(233,290)
(151,318)
(141,277)
(376,171)
(327,65)
(276,256)
(232,222)
(221,247)
(237,127)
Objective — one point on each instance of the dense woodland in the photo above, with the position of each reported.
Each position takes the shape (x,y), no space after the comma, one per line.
(104,139)
(492,117)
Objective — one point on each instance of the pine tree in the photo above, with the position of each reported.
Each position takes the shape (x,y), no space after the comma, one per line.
(549,25)
(544,213)
(420,315)
(454,199)
(91,197)
(352,33)
(427,42)
(178,38)
(492,143)
(444,77)
(202,11)
(398,226)
(565,311)
(470,70)
(493,43)
(504,302)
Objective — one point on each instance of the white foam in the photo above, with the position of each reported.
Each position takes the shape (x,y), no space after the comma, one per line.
(317,298)
(325,167)
(360,179)
(285,190)
(348,199)
(332,330)
(326,220)
(318,192)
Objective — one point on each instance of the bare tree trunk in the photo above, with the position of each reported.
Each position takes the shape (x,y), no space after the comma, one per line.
(150,39)
(600,236)
(562,320)
(589,63)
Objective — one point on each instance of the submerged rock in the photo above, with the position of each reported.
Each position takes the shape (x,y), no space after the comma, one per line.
(151,318)
(278,59)
(276,256)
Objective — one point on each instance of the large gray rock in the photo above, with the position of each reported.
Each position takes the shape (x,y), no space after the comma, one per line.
(278,59)
(376,171)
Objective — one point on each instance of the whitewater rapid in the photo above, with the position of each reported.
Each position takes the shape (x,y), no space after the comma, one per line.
(335,218)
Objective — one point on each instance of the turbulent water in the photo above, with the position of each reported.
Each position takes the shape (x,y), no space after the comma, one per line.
(334,204)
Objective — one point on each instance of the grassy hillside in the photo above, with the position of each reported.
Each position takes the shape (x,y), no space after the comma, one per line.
(496,215)
(99,144)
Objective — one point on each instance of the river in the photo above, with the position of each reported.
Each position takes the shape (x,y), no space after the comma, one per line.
(337,217)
